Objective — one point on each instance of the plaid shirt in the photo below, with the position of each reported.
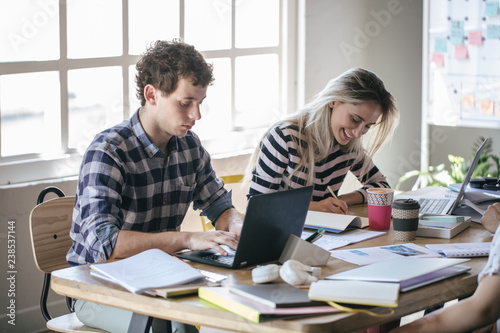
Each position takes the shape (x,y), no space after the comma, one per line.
(127,183)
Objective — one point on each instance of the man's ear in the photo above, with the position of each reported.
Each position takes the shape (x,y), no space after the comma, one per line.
(150,94)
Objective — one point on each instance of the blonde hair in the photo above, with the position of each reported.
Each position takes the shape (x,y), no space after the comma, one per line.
(354,86)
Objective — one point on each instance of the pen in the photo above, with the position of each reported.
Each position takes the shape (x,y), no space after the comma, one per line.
(315,235)
(333,195)
(316,238)
(330,189)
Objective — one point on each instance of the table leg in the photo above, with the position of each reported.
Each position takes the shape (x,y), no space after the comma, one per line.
(140,323)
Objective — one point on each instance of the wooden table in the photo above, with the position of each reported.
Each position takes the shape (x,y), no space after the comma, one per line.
(76,282)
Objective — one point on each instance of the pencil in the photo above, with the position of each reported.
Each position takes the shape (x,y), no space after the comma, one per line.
(330,189)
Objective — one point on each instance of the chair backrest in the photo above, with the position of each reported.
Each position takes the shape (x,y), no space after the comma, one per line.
(50,223)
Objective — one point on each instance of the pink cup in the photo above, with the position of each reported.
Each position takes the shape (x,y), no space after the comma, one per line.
(379,207)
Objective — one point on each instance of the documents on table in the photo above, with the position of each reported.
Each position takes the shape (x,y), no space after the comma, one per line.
(370,255)
(148,270)
(454,250)
(331,241)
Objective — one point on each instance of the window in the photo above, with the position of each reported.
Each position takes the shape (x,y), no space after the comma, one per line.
(67,71)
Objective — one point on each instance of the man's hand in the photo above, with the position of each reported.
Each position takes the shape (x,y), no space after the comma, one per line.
(491,218)
(231,220)
(330,205)
(212,240)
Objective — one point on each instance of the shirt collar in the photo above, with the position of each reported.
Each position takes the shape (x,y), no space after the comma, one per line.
(149,147)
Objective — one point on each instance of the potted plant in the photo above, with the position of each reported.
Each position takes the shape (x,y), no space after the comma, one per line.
(488,166)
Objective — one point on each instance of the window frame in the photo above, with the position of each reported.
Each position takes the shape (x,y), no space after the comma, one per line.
(37,167)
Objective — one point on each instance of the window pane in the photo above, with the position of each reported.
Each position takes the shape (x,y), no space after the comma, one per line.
(257,23)
(257,91)
(151,20)
(208,24)
(95,103)
(30,125)
(216,108)
(30,30)
(134,102)
(94,28)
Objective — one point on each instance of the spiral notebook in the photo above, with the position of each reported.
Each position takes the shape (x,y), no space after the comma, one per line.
(456,250)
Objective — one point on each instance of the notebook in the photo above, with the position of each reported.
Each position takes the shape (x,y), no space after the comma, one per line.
(269,220)
(274,295)
(408,272)
(446,205)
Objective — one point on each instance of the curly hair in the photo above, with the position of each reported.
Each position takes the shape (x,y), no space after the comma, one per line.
(164,62)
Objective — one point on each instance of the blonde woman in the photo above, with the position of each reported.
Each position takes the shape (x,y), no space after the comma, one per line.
(321,143)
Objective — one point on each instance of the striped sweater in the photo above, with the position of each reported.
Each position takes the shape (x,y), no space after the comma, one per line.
(278,158)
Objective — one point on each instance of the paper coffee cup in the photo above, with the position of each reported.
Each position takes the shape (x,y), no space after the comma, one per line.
(405,219)
(379,207)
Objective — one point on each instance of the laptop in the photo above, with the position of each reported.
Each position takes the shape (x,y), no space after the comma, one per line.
(446,205)
(410,273)
(269,220)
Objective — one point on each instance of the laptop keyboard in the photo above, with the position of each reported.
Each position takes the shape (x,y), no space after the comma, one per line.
(432,206)
(227,260)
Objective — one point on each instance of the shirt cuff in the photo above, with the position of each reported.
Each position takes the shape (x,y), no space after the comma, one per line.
(218,207)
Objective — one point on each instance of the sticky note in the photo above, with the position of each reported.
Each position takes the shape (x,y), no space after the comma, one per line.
(457,32)
(468,102)
(492,31)
(461,52)
(475,37)
(440,45)
(491,8)
(487,107)
(437,59)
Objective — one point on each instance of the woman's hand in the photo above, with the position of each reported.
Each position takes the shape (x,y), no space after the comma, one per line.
(330,205)
(491,218)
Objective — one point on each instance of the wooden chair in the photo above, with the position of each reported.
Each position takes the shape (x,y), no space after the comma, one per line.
(206,224)
(50,223)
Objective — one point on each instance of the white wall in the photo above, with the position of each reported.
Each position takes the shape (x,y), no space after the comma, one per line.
(388,37)
(394,53)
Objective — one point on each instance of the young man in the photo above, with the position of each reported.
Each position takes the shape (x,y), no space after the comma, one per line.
(138,178)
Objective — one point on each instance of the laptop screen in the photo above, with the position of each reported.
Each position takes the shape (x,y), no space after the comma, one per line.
(473,165)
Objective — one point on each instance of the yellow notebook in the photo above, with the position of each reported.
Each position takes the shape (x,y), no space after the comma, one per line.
(223,298)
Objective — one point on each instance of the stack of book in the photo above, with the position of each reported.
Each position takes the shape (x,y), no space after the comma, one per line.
(442,226)
(259,303)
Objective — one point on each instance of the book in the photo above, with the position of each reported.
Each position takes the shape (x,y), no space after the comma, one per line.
(356,292)
(151,269)
(407,272)
(334,222)
(456,250)
(212,280)
(223,298)
(440,229)
(275,295)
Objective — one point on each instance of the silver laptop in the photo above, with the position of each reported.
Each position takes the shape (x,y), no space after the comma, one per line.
(446,205)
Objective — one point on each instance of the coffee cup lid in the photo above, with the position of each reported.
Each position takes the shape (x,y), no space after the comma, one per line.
(405,204)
